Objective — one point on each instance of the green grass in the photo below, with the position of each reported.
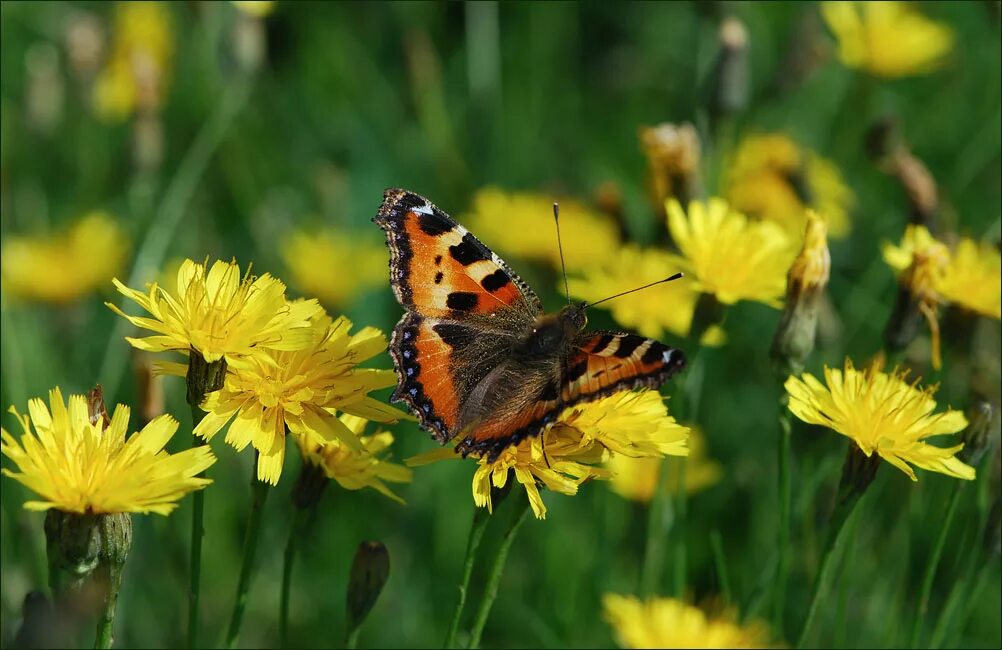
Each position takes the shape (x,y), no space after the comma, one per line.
(355,98)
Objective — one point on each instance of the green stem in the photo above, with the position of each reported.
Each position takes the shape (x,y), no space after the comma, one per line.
(352,641)
(836,536)
(497,567)
(678,532)
(933,563)
(259,492)
(480,518)
(650,574)
(783,542)
(297,528)
(720,562)
(106,622)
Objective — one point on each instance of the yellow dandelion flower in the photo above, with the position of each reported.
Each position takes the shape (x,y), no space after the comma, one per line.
(970,276)
(521,224)
(332,266)
(220,314)
(671,623)
(77,467)
(298,391)
(137,71)
(887,39)
(771,177)
(637,478)
(730,256)
(881,413)
(62,267)
(633,423)
(662,308)
(355,469)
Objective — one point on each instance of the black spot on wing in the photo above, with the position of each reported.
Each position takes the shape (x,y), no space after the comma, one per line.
(602,343)
(438,277)
(654,354)
(438,260)
(468,251)
(575,371)
(433,224)
(627,344)
(495,280)
(461,301)
(455,336)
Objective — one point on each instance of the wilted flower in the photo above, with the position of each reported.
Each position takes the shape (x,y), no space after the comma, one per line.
(571,451)
(354,468)
(138,69)
(887,39)
(77,465)
(728,256)
(771,177)
(673,155)
(670,623)
(277,390)
(220,314)
(521,224)
(637,478)
(332,266)
(66,266)
(881,413)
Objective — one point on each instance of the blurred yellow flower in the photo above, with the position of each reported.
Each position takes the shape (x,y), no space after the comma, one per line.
(670,623)
(887,39)
(255,8)
(79,466)
(881,413)
(137,71)
(521,224)
(771,177)
(673,156)
(632,423)
(220,314)
(63,267)
(730,256)
(355,469)
(637,478)
(969,276)
(297,391)
(332,266)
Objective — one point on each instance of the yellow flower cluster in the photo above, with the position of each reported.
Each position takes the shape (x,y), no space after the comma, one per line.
(332,266)
(670,623)
(887,39)
(570,452)
(63,267)
(771,177)
(78,465)
(637,478)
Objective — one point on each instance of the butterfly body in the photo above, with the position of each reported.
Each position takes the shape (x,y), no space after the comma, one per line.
(475,356)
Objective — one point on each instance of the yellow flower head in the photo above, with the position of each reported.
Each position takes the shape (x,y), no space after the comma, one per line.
(298,391)
(670,623)
(770,177)
(63,267)
(810,270)
(332,266)
(79,466)
(352,468)
(137,71)
(881,413)
(887,39)
(637,478)
(570,452)
(730,256)
(521,224)
(220,314)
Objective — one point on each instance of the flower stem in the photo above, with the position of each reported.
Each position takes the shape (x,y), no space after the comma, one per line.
(650,574)
(300,520)
(783,543)
(352,641)
(720,564)
(933,563)
(678,532)
(259,492)
(106,622)
(497,567)
(480,518)
(844,509)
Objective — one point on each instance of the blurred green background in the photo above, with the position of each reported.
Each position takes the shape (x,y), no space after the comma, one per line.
(303,117)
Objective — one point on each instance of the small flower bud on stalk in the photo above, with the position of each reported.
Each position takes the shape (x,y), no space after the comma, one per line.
(805,285)
(977,436)
(369,571)
(887,146)
(729,90)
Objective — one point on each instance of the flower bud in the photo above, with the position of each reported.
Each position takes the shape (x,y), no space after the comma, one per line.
(78,544)
(369,571)
(203,377)
(310,485)
(805,284)
(673,156)
(887,146)
(858,472)
(976,437)
(729,92)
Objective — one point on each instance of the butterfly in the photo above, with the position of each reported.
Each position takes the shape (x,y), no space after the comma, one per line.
(475,356)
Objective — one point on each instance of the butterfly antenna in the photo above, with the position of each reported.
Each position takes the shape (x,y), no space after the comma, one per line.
(560,247)
(646,286)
